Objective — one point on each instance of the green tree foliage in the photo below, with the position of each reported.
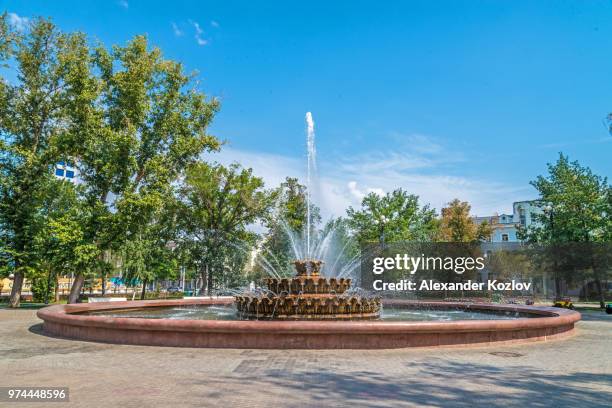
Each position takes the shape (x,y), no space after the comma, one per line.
(456,224)
(343,246)
(286,222)
(236,265)
(37,116)
(575,203)
(218,203)
(61,243)
(147,123)
(150,233)
(576,207)
(394,217)
(511,264)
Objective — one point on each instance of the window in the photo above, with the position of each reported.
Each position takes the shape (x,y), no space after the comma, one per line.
(65,170)
(523,218)
(504,237)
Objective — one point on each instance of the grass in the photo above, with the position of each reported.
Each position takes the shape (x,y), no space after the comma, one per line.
(27,305)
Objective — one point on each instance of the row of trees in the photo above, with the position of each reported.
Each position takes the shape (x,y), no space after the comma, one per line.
(136,125)
(146,204)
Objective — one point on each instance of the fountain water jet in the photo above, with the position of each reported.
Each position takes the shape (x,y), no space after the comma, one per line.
(308,295)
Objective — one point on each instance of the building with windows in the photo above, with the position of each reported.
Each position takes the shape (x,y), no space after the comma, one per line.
(505,226)
(66,171)
(526,212)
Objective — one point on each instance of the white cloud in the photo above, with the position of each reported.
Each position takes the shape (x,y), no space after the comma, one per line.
(197,28)
(215,24)
(123,3)
(418,143)
(17,22)
(341,184)
(198,33)
(272,167)
(177,31)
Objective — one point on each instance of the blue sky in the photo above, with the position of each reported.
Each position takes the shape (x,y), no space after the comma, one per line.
(443,98)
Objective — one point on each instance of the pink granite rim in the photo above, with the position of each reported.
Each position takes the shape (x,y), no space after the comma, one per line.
(62,318)
(71,314)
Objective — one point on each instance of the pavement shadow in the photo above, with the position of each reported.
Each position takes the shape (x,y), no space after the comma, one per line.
(37,329)
(595,315)
(438,383)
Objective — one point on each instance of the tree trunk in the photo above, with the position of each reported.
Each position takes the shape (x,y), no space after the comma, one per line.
(600,292)
(103,284)
(16,290)
(144,289)
(77,286)
(557,287)
(48,288)
(602,300)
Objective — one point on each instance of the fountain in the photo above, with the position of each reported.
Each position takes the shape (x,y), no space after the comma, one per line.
(308,295)
(309,310)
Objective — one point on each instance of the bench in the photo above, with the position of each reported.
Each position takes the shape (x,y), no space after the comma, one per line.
(106,299)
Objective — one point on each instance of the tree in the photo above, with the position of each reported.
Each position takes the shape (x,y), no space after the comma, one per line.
(37,114)
(150,231)
(145,126)
(343,254)
(218,203)
(235,265)
(512,263)
(456,224)
(286,229)
(394,217)
(458,228)
(61,245)
(576,207)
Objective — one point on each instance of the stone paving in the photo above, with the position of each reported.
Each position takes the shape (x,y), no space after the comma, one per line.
(574,372)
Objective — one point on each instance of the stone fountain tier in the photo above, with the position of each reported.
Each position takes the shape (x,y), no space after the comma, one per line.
(308,280)
(319,306)
(308,295)
(308,285)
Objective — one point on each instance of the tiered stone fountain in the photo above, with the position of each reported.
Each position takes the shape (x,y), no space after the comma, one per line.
(308,296)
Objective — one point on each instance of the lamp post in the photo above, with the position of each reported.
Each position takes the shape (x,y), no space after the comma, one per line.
(548,209)
(172,246)
(183,278)
(195,288)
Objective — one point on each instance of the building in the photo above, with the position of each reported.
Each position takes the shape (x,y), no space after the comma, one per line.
(526,212)
(505,226)
(66,171)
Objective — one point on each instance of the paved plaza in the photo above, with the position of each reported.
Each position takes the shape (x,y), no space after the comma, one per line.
(574,372)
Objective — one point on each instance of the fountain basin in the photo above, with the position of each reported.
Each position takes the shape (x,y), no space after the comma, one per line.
(71,321)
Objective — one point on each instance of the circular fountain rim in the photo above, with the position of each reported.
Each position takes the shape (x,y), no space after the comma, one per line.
(70,321)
